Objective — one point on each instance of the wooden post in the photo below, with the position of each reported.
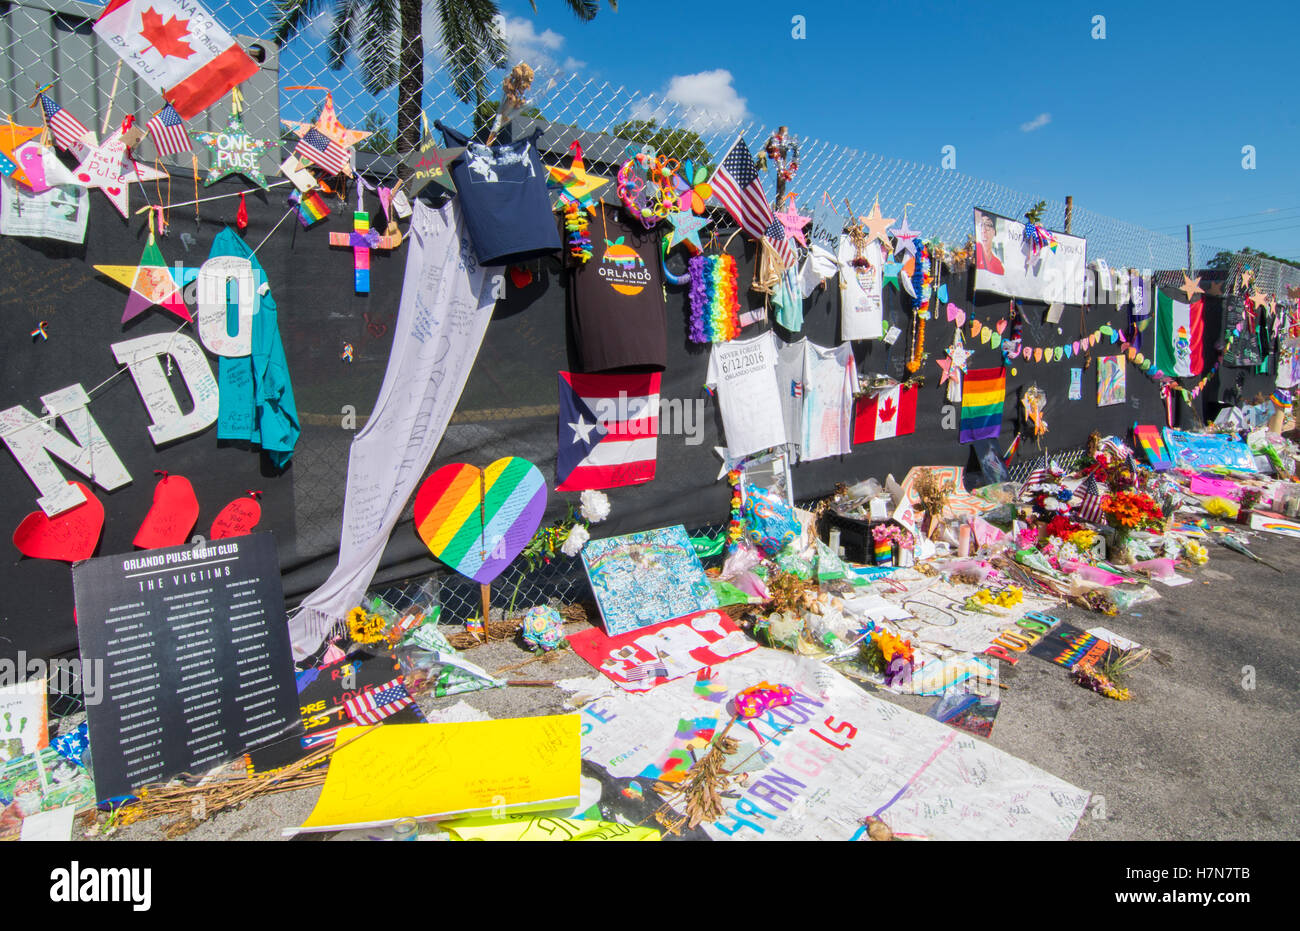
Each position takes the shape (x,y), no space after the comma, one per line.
(1069,212)
(485,590)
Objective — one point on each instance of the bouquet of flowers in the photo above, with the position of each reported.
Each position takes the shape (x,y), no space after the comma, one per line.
(1127,511)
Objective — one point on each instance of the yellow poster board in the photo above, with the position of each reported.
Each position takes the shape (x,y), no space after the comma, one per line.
(433,771)
(544,827)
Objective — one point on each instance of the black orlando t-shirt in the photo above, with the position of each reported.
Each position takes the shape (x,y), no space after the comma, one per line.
(616,298)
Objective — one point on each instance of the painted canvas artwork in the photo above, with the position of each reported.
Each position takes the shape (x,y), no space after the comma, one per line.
(1110,381)
(646,577)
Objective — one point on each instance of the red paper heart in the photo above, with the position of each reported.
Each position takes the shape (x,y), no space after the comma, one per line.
(113,190)
(521,276)
(172,517)
(69,536)
(1002,325)
(236,519)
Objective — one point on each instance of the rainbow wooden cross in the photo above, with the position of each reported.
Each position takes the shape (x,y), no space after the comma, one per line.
(362,239)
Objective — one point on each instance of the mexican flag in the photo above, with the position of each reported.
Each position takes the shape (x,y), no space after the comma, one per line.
(885,415)
(178,48)
(1180,333)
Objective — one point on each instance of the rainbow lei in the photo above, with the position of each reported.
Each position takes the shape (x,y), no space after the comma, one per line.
(736,528)
(576,225)
(715,307)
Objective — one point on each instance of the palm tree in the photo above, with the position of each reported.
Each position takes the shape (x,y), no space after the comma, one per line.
(388,39)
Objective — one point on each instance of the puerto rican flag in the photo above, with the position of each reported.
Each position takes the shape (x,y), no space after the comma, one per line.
(885,415)
(178,48)
(608,430)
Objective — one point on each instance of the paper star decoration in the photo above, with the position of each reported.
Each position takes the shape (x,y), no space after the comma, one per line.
(152,283)
(430,164)
(103,168)
(575,183)
(877,226)
(954,361)
(904,235)
(1191,287)
(328,124)
(234,151)
(794,223)
(686,228)
(11,137)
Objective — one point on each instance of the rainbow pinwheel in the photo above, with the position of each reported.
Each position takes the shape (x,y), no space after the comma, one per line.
(693,190)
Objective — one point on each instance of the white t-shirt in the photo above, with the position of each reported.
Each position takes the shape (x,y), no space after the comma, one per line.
(817,267)
(789,379)
(861,308)
(830,379)
(744,374)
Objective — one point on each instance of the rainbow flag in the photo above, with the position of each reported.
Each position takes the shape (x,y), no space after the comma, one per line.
(983,394)
(1153,446)
(312,208)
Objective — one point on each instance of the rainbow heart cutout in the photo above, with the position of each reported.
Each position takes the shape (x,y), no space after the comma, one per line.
(69,536)
(477,522)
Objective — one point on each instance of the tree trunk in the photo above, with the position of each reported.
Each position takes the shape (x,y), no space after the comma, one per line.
(410,85)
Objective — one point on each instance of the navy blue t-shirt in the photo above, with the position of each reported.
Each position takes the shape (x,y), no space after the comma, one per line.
(502,189)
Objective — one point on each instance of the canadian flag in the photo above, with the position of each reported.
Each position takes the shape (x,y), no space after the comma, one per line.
(885,414)
(178,48)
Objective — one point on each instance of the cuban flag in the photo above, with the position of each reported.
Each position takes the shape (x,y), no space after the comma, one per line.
(608,430)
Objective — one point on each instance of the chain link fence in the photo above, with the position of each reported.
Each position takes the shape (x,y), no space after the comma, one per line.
(52,41)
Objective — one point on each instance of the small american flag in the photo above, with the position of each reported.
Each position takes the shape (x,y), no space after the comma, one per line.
(1089,506)
(737,185)
(168,133)
(67,129)
(373,705)
(320,149)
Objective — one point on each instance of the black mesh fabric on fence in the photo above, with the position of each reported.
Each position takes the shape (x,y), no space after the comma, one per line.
(508,407)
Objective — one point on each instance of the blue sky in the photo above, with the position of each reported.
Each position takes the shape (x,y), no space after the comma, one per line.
(1146,125)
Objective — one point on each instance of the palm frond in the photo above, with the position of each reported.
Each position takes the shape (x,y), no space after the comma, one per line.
(340,40)
(381,45)
(585,10)
(292,16)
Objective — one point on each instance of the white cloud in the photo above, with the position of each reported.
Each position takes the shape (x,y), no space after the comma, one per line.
(541,50)
(696,100)
(1037,122)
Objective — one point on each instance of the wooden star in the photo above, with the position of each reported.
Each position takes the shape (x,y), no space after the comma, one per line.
(877,226)
(575,183)
(1261,298)
(234,151)
(1191,287)
(686,228)
(430,164)
(11,137)
(794,223)
(152,283)
(328,123)
(102,167)
(905,236)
